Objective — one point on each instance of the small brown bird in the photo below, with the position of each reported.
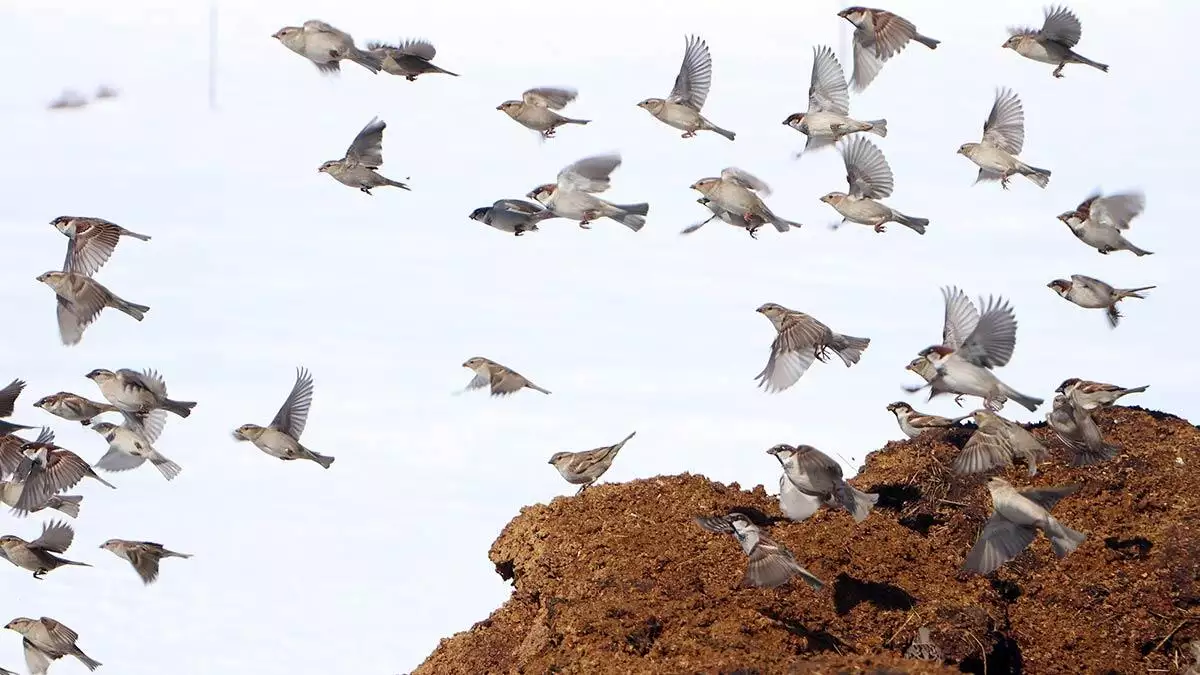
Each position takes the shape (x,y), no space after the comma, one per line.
(1091,293)
(1077,430)
(923,648)
(870,179)
(90,242)
(913,423)
(10,492)
(1003,139)
(770,563)
(501,379)
(80,300)
(817,479)
(1052,43)
(408,59)
(143,555)
(136,392)
(1099,220)
(46,469)
(74,407)
(48,640)
(1016,518)
(281,438)
(996,443)
(827,119)
(8,402)
(682,108)
(800,339)
(325,46)
(586,467)
(878,36)
(357,168)
(38,556)
(536,109)
(1092,395)
(739,193)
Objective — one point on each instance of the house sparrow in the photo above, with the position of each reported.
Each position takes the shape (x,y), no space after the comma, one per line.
(585,468)
(80,300)
(10,492)
(1077,430)
(923,367)
(74,407)
(363,157)
(143,555)
(282,438)
(1098,221)
(737,192)
(38,556)
(770,563)
(682,108)
(1052,44)
(751,226)
(819,477)
(501,379)
(136,392)
(1016,518)
(47,640)
(913,423)
(1091,293)
(410,59)
(512,215)
(90,242)
(573,196)
(800,339)
(1003,139)
(878,35)
(923,648)
(995,444)
(325,46)
(536,109)
(870,178)
(972,345)
(45,470)
(1092,395)
(130,445)
(8,402)
(827,119)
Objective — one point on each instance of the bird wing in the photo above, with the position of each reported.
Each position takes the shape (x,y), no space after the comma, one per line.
(478,382)
(1115,210)
(315,26)
(367,148)
(146,382)
(293,414)
(1000,541)
(961,317)
(10,454)
(892,33)
(148,425)
(56,537)
(866,64)
(1062,26)
(770,564)
(732,174)
(823,472)
(987,449)
(115,460)
(1047,497)
(80,310)
(54,634)
(991,343)
(792,352)
(144,563)
(518,206)
(87,251)
(554,98)
(695,75)
(1100,288)
(590,174)
(8,396)
(827,90)
(64,469)
(1005,125)
(867,170)
(35,659)
(506,381)
(719,524)
(422,49)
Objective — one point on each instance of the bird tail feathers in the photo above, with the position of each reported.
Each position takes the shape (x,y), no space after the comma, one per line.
(88,661)
(930,42)
(878,127)
(1063,540)
(371,62)
(1102,67)
(68,504)
(849,348)
(181,408)
(133,309)
(1123,293)
(918,225)
(1040,177)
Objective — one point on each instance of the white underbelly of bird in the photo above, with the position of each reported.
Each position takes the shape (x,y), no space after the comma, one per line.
(864,211)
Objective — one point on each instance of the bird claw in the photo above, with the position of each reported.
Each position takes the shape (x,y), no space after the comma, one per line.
(1004,181)
(880,228)
(365,189)
(688,134)
(411,78)
(958,400)
(753,232)
(549,133)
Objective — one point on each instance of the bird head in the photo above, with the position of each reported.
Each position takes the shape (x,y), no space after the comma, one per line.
(652,105)
(853,14)
(479,213)
(899,407)
(111,545)
(103,428)
(1060,286)
(286,32)
(510,107)
(247,432)
(475,362)
(324,168)
(1067,217)
(771,310)
(704,185)
(984,416)
(795,121)
(997,483)
(558,457)
(1066,384)
(18,624)
(782,452)
(100,375)
(49,277)
(966,148)
(834,198)
(1011,42)
(61,222)
(9,539)
(48,400)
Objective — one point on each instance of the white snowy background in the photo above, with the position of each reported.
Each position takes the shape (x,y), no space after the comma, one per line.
(258,264)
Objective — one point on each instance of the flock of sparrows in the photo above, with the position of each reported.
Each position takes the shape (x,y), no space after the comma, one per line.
(975,339)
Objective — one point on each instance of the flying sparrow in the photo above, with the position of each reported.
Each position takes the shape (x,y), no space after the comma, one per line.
(325,46)
(282,438)
(878,35)
(996,443)
(724,216)
(1091,293)
(818,477)
(924,367)
(38,556)
(1060,32)
(770,563)
(1077,430)
(1016,518)
(536,109)
(74,407)
(363,157)
(47,640)
(8,402)
(45,470)
(1098,221)
(737,192)
(1092,395)
(501,379)
(870,178)
(800,339)
(90,242)
(827,119)
(143,555)
(585,468)
(573,196)
(10,492)
(130,445)
(923,648)
(136,392)
(80,300)
(682,108)
(512,215)
(410,59)
(1003,139)
(913,423)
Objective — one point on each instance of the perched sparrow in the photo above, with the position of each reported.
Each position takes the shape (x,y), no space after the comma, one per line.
(973,344)
(817,479)
(47,640)
(10,492)
(995,444)
(682,108)
(1092,395)
(410,59)
(573,196)
(90,242)
(1003,139)
(923,648)
(870,178)
(1077,430)
(737,192)
(46,470)
(363,157)
(38,556)
(827,119)
(1098,221)
(585,468)
(878,35)
(8,402)
(129,445)
(1016,518)
(501,379)
(325,46)
(282,438)
(143,555)
(512,215)
(74,407)
(136,392)
(913,423)
(1091,293)
(80,300)
(770,564)
(751,226)
(1052,44)
(536,109)
(800,339)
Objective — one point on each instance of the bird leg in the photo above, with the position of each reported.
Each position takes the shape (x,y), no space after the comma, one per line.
(1058,71)
(753,230)
(548,133)
(518,232)
(958,400)
(39,574)
(588,216)
(1104,250)
(748,217)
(838,131)
(821,354)
(582,488)
(365,189)
(1004,179)
(688,134)
(411,78)
(992,405)
(880,228)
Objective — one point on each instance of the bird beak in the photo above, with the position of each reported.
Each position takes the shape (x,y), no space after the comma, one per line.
(1050,285)
(500,107)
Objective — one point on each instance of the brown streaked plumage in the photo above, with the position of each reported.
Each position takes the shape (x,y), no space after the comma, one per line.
(586,467)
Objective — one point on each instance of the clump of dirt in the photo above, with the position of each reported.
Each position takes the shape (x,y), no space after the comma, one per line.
(621,580)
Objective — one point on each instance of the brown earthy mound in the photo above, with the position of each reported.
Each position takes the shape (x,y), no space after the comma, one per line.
(621,580)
